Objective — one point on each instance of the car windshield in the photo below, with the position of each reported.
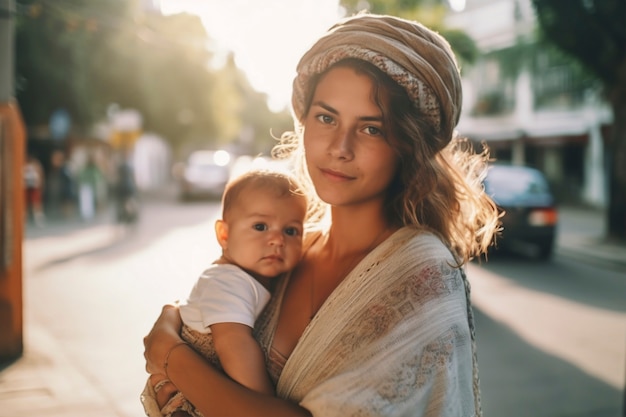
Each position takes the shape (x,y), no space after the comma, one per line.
(515,181)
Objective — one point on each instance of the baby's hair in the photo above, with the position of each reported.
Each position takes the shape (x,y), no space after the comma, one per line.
(278,183)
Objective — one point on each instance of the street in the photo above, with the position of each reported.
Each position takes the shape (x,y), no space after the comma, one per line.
(551,336)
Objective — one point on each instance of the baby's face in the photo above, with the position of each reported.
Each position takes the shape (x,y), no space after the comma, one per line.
(265,233)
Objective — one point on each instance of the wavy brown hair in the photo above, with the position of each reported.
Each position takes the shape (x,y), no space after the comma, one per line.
(439,183)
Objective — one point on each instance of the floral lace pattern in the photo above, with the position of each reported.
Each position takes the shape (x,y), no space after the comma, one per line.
(401,299)
(415,372)
(394,339)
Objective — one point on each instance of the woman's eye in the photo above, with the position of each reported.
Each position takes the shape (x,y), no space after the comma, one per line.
(291,231)
(324,118)
(373,131)
(261,227)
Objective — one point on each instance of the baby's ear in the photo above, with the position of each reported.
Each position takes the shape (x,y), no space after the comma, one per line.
(221,232)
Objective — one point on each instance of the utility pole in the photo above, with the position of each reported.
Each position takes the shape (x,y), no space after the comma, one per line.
(12,145)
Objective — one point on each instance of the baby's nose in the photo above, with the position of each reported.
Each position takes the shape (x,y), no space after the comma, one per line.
(276,238)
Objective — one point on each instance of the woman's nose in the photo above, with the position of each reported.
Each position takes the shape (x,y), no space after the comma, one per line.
(341,144)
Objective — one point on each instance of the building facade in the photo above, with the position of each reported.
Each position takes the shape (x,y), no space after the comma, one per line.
(530,104)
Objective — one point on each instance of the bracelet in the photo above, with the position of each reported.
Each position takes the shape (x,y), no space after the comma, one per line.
(169,352)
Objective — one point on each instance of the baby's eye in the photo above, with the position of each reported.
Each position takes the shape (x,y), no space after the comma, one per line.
(326,119)
(261,227)
(292,231)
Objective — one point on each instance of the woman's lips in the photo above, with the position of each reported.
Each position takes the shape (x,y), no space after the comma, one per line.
(335,175)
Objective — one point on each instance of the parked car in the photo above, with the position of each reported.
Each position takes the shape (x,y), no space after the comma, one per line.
(246,163)
(531,217)
(204,175)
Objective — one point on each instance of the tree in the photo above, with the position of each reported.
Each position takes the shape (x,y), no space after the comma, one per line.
(53,41)
(594,33)
(84,56)
(170,68)
(253,126)
(429,12)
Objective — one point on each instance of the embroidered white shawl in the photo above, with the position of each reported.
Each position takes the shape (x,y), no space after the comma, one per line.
(393,339)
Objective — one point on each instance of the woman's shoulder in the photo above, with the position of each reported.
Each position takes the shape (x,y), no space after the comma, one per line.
(417,247)
(414,238)
(421,259)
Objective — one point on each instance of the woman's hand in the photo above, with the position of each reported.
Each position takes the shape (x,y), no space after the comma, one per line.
(163,337)
(209,390)
(164,390)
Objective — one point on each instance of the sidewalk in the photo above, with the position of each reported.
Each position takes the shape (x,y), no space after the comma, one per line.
(582,236)
(44,382)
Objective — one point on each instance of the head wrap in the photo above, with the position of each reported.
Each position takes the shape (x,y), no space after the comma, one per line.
(417,58)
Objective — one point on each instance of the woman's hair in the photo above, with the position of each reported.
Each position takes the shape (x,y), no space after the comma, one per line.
(417,86)
(438,185)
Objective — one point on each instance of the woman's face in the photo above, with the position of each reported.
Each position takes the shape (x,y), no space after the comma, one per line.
(347,151)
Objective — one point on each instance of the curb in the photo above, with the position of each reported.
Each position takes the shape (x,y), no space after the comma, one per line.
(596,253)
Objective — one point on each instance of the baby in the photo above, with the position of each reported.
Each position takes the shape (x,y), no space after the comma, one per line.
(260,233)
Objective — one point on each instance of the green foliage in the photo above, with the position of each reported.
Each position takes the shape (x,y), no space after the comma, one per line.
(51,65)
(512,59)
(254,119)
(592,31)
(463,45)
(490,103)
(86,55)
(428,12)
(409,9)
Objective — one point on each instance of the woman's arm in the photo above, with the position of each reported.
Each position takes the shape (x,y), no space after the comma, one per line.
(209,390)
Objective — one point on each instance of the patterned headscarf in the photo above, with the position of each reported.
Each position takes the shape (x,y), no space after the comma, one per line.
(417,58)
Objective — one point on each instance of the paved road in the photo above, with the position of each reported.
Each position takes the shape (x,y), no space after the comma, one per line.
(69,371)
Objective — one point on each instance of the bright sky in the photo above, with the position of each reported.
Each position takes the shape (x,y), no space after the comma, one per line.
(267,36)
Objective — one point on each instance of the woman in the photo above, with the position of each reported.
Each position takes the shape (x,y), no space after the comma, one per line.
(376,319)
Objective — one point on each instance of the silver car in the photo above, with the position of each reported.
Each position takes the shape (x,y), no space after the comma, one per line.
(204,175)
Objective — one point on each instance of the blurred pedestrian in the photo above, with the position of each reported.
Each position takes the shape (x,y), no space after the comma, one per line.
(125,193)
(90,182)
(33,174)
(60,187)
